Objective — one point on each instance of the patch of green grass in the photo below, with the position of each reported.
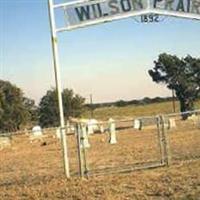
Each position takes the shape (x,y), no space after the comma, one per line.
(135,111)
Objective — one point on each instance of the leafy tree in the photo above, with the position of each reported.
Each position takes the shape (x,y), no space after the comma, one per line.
(121,103)
(181,75)
(13,111)
(48,107)
(32,108)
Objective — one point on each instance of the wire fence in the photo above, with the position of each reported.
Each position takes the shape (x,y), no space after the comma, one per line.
(184,136)
(125,146)
(97,148)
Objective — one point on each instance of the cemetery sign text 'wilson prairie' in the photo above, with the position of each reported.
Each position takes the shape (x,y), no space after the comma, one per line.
(102,10)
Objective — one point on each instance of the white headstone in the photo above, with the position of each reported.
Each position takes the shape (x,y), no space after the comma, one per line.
(193,117)
(137,124)
(112,131)
(72,129)
(4,142)
(172,123)
(58,133)
(37,131)
(90,129)
(68,127)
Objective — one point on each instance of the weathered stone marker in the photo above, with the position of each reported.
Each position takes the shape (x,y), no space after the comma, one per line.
(36,134)
(5,141)
(194,119)
(58,133)
(70,128)
(93,126)
(112,131)
(172,123)
(137,124)
(90,128)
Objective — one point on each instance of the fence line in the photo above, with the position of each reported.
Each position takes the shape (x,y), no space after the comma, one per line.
(161,132)
(165,148)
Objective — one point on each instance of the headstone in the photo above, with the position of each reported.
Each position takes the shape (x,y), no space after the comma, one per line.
(68,127)
(193,117)
(93,126)
(90,129)
(112,131)
(36,133)
(4,142)
(172,123)
(58,133)
(165,121)
(72,129)
(137,124)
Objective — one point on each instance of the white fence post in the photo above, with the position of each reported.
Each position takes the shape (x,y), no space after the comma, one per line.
(165,141)
(80,154)
(112,131)
(84,135)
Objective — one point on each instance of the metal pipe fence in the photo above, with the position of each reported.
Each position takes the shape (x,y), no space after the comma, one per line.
(132,149)
(105,147)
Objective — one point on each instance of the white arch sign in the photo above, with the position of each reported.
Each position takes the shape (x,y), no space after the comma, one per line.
(89,12)
(82,13)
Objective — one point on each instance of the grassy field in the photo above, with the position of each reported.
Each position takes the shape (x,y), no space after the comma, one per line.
(34,170)
(133,111)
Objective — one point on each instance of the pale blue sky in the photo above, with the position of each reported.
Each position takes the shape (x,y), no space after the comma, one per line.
(109,60)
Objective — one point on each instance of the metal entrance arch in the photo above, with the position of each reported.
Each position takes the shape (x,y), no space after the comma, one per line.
(83,13)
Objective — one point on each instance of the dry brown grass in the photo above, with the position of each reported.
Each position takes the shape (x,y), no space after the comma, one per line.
(34,171)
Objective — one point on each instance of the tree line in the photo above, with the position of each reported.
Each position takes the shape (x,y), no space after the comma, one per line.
(135,102)
(16,111)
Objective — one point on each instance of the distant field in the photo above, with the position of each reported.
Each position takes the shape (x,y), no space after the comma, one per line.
(133,111)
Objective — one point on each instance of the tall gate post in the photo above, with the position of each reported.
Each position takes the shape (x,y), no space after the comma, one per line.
(160,139)
(58,86)
(80,155)
(165,141)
